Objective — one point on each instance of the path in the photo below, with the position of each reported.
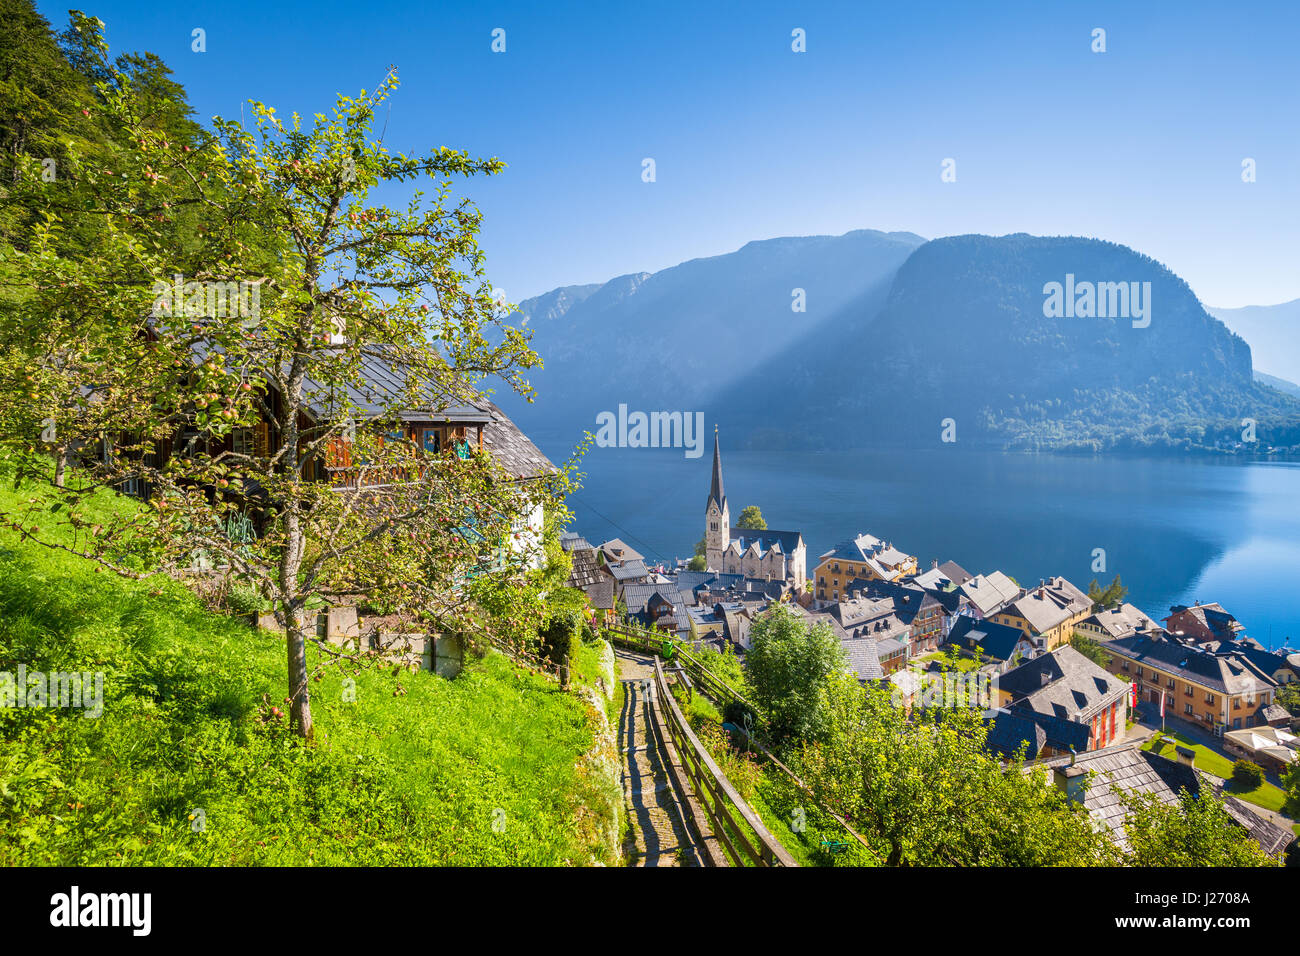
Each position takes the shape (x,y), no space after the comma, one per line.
(659,836)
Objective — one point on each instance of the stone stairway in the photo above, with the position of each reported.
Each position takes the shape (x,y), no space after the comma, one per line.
(658,834)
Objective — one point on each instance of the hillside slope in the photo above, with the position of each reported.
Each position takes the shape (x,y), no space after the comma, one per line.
(482,770)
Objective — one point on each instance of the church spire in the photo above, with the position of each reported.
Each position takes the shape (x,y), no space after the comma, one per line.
(716,492)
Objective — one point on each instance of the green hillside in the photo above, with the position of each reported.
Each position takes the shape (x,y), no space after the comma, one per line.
(418,770)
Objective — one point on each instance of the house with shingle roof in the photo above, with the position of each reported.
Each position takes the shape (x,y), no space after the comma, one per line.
(1219,691)
(995,642)
(1098,778)
(1203,622)
(986,594)
(1065,685)
(1048,613)
(657,605)
(862,556)
(616,550)
(1112,623)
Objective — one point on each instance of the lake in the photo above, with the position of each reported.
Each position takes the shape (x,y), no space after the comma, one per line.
(1175,529)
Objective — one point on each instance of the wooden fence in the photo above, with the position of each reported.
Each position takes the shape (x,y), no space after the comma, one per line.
(661,644)
(750,844)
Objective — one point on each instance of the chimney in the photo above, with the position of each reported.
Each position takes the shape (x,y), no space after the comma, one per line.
(1186,756)
(934,564)
(1072,780)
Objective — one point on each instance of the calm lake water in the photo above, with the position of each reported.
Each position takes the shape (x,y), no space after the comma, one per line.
(1175,529)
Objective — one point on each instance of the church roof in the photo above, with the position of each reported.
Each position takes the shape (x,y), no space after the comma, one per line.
(784,541)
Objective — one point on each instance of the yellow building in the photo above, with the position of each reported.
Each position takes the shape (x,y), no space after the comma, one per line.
(1219,691)
(1048,613)
(865,557)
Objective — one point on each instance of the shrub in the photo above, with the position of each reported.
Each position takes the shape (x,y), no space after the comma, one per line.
(246,599)
(1247,773)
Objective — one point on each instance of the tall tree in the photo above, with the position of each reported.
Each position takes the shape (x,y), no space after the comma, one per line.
(1195,831)
(923,788)
(752,519)
(788,665)
(293,286)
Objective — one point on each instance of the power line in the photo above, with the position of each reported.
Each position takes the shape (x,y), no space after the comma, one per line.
(650,550)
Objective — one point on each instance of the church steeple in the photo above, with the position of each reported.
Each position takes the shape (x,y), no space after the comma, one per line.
(715,490)
(717,518)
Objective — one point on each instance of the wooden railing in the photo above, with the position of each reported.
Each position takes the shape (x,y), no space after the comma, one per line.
(661,644)
(658,643)
(747,844)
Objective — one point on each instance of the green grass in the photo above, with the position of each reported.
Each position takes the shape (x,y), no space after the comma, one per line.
(1265,795)
(418,770)
(963,664)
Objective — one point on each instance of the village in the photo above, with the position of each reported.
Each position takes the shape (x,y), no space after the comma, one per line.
(1154,707)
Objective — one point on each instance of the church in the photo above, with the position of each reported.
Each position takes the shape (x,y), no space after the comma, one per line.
(766,555)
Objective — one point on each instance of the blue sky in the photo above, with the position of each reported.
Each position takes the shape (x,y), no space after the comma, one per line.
(1142,144)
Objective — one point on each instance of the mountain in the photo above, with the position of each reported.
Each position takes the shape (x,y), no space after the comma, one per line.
(1273,332)
(964,334)
(1281,384)
(672,340)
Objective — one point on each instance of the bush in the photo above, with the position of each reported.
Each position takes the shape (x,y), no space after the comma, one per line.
(1248,773)
(246,599)
(737,713)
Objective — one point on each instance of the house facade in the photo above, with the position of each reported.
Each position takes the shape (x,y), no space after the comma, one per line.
(862,556)
(1220,692)
(1046,614)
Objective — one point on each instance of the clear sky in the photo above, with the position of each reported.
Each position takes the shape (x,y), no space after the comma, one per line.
(1142,144)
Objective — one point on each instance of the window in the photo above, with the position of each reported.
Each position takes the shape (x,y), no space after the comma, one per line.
(1209,698)
(1188,709)
(1125,665)
(1188,690)
(432,441)
(241,441)
(1171,683)
(1140,670)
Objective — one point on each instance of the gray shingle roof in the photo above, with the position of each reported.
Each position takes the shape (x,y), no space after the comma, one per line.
(600,594)
(586,569)
(512,449)
(1226,673)
(988,592)
(1127,767)
(1062,683)
(629,571)
(1008,732)
(1047,606)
